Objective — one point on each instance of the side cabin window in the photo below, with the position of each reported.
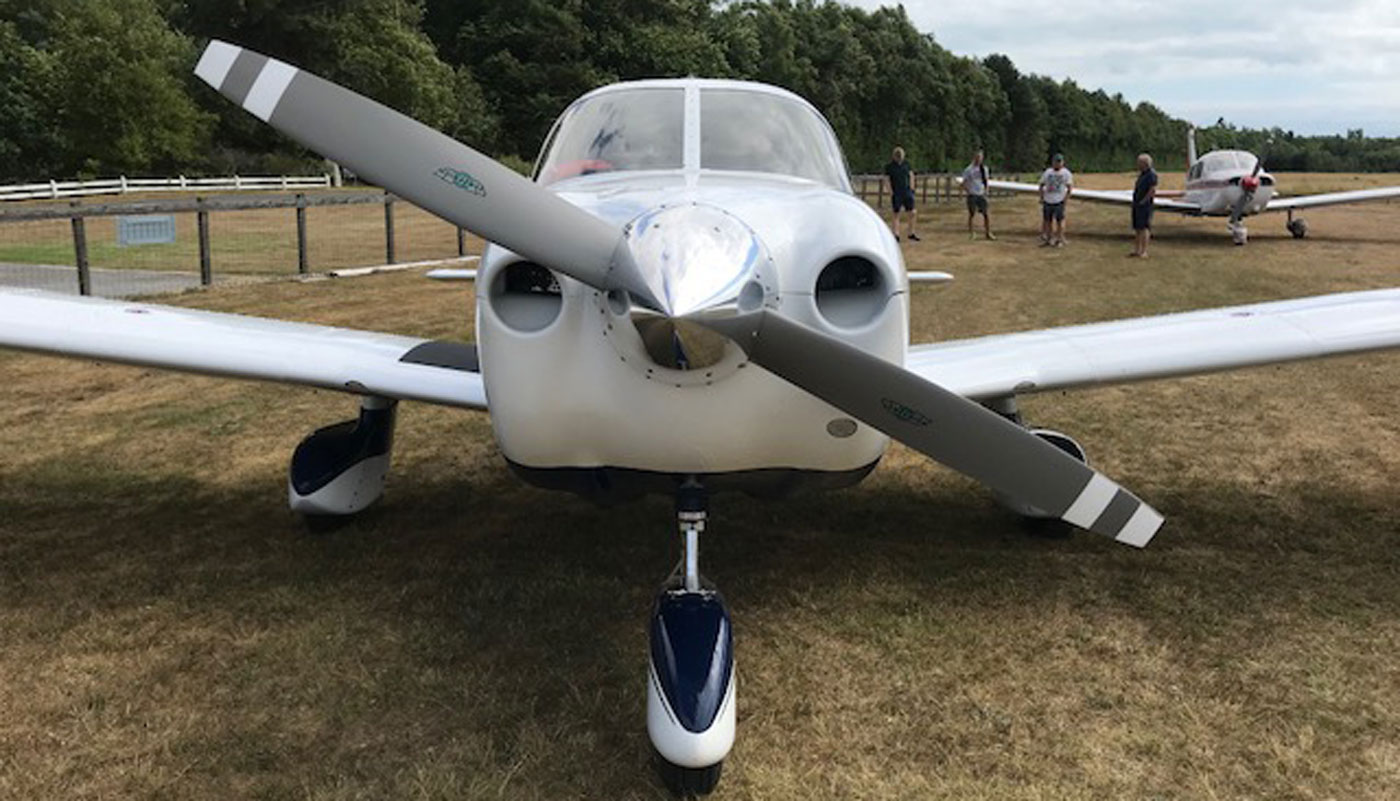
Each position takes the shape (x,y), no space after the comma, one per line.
(1196,170)
(750,131)
(630,129)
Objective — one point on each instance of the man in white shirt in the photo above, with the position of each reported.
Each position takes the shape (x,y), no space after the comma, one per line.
(974,184)
(1056,185)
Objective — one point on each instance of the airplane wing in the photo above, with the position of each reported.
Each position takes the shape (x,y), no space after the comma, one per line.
(359,362)
(1164,346)
(1333,198)
(1121,197)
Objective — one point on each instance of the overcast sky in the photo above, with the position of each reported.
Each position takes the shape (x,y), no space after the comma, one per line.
(1312,66)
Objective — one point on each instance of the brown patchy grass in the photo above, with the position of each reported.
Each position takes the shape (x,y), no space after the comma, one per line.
(170,631)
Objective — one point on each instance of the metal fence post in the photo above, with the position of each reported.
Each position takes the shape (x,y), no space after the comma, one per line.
(388,228)
(206,265)
(80,252)
(461,242)
(303,266)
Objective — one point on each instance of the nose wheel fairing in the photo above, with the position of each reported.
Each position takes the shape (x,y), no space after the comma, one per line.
(690,693)
(690,679)
(692,655)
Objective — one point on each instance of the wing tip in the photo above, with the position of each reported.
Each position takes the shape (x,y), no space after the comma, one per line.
(929,277)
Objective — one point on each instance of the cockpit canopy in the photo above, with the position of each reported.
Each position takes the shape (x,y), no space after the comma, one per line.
(739,127)
(1222,161)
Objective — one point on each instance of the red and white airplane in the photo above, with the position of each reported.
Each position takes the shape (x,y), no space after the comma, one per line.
(688,299)
(1226,183)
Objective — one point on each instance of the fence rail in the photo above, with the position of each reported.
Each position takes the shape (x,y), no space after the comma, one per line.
(933,187)
(56,190)
(243,242)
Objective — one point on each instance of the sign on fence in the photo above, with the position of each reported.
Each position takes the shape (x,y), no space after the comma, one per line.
(146,229)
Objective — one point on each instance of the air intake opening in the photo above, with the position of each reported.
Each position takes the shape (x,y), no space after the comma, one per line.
(850,292)
(526,296)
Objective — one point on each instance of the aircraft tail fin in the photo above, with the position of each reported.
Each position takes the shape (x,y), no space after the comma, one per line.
(1190,146)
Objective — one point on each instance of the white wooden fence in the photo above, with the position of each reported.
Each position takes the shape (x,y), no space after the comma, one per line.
(53,190)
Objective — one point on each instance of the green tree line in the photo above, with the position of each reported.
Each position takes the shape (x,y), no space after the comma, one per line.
(105,87)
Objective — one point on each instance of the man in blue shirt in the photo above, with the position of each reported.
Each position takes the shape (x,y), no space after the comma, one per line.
(901,178)
(1144,196)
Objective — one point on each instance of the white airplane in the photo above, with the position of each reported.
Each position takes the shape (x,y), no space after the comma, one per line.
(687,299)
(1226,183)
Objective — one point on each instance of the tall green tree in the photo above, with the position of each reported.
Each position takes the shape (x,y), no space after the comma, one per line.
(105,85)
(533,57)
(29,144)
(375,47)
(120,94)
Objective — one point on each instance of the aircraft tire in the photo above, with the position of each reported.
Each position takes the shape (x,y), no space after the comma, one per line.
(689,782)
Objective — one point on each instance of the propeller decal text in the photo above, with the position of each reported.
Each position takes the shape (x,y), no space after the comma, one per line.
(905,414)
(461,180)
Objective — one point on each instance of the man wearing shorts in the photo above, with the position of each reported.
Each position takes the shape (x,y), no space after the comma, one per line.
(1056,185)
(901,178)
(1144,193)
(974,184)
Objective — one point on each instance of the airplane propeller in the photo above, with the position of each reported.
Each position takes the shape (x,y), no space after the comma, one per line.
(425,167)
(1250,184)
(942,425)
(472,190)
(1251,181)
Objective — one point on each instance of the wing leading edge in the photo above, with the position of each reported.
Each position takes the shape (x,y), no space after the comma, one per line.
(1333,198)
(1118,197)
(190,340)
(1163,346)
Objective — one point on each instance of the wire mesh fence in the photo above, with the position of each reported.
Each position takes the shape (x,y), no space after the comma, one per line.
(934,187)
(253,242)
(158,245)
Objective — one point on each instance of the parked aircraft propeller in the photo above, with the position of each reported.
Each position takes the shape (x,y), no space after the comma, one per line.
(433,171)
(944,426)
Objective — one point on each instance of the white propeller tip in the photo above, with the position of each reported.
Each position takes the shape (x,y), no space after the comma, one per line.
(1141,527)
(217,60)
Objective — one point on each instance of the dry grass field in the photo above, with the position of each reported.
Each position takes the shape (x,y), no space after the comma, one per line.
(169,630)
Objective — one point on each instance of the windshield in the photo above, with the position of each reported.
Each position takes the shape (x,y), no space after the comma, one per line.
(760,132)
(1228,161)
(632,129)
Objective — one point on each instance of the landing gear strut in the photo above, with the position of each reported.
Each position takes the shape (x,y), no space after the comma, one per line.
(690,687)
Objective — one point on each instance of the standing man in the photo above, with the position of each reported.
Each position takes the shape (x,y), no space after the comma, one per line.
(974,184)
(1144,194)
(902,193)
(1056,185)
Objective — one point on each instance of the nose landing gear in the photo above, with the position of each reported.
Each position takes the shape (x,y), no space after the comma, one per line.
(690,688)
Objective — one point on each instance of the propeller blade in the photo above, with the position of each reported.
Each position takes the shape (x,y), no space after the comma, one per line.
(423,166)
(1258,165)
(942,425)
